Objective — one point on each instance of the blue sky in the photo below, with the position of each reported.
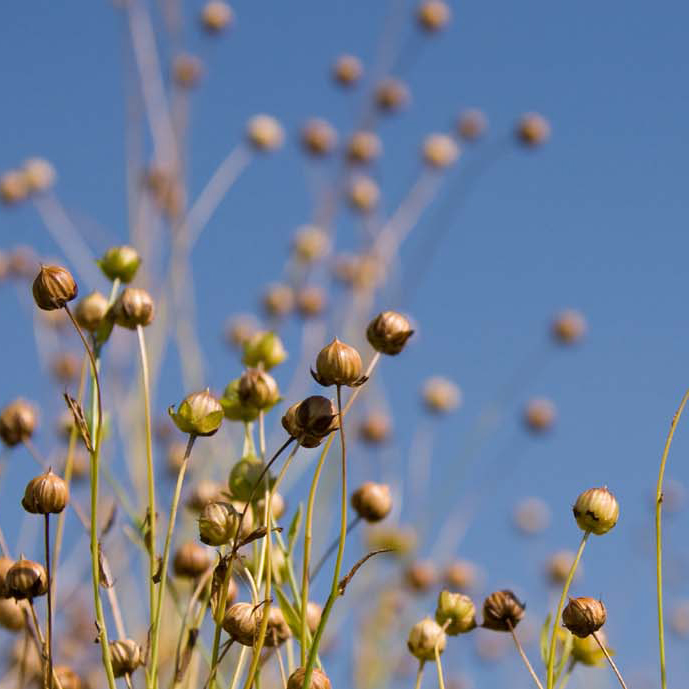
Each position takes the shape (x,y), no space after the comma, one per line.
(595,220)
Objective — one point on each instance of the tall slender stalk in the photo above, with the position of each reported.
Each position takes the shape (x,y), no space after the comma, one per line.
(529,667)
(610,660)
(659,541)
(49,614)
(436,653)
(419,674)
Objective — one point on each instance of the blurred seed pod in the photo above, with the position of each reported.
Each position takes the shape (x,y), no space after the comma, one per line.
(80,464)
(363,193)
(13,187)
(310,301)
(313,616)
(64,425)
(66,678)
(502,610)
(532,130)
(433,15)
(318,137)
(674,496)
(191,560)
(65,367)
(39,175)
(461,576)
(278,506)
(401,540)
(91,310)
(26,579)
(277,631)
(319,680)
(264,349)
(531,516)
(11,615)
(46,494)
(310,244)
(53,287)
(539,415)
(187,70)
(420,576)
(388,332)
(441,395)
(679,619)
(596,510)
(244,476)
(363,147)
(18,422)
(568,327)
(471,124)
(241,622)
(347,70)
(338,364)
(265,133)
(133,307)
(120,263)
(457,611)
(361,272)
(126,656)
(439,151)
(216,16)
(372,501)
(278,300)
(392,95)
(587,651)
(22,263)
(165,190)
(232,590)
(202,493)
(5,564)
(240,329)
(424,638)
(375,428)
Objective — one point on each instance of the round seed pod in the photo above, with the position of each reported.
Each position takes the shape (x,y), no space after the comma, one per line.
(17,422)
(363,194)
(66,678)
(310,301)
(375,428)
(278,630)
(391,95)
(218,523)
(132,308)
(532,130)
(187,71)
(241,622)
(278,300)
(120,263)
(126,656)
(596,510)
(235,407)
(433,15)
(319,680)
(80,464)
(584,616)
(314,613)
(232,590)
(439,151)
(531,516)
(264,349)
(244,475)
(539,415)
(318,137)
(457,610)
(198,414)
(338,364)
(202,493)
(22,263)
(216,16)
(347,70)
(13,187)
(363,147)
(441,395)
(11,615)
(679,620)
(277,506)
(240,329)
(372,501)
(558,567)
(388,332)
(568,327)
(587,651)
(310,244)
(265,133)
(5,564)
(461,575)
(26,579)
(420,576)
(65,367)
(401,540)
(471,124)
(424,637)
(39,175)
(46,494)
(502,610)
(53,287)
(258,389)
(311,420)
(191,560)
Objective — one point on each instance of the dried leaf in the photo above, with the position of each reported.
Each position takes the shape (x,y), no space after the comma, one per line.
(104,574)
(80,421)
(294,528)
(256,534)
(344,582)
(184,661)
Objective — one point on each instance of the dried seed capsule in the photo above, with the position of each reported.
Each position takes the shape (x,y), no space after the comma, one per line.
(372,501)
(198,414)
(439,151)
(596,510)
(539,415)
(441,395)
(5,564)
(319,680)
(264,349)
(11,614)
(17,422)
(583,616)
(347,70)
(202,493)
(559,565)
(533,129)
(471,124)
(587,651)
(278,630)
(218,523)
(66,678)
(13,187)
(424,637)
(39,175)
(391,95)
(126,656)
(264,133)
(187,71)
(234,407)
(502,610)
(568,327)
(65,367)
(310,301)
(120,263)
(456,609)
(191,560)
(420,576)
(314,613)
(91,310)
(363,147)
(363,194)
(241,622)
(311,420)
(216,16)
(133,307)
(318,137)
(338,364)
(46,494)
(375,428)
(243,478)
(258,389)
(53,288)
(388,332)
(310,244)
(461,575)
(26,579)
(278,300)
(217,583)
(433,15)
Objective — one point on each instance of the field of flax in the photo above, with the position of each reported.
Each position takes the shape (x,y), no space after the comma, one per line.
(305,495)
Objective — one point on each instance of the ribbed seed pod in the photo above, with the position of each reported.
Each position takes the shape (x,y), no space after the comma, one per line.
(54,287)
(46,494)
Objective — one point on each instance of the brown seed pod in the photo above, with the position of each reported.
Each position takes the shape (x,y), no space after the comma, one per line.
(187,71)
(26,579)
(391,95)
(338,364)
(216,16)
(372,501)
(240,329)
(539,415)
(310,244)
(54,287)
(310,301)
(126,656)
(441,395)
(258,389)
(347,70)
(457,610)
(264,133)
(11,615)
(388,332)
(17,422)
(596,510)
(278,300)
(439,151)
(559,565)
(424,637)
(568,327)
(39,175)
(191,560)
(363,147)
(433,15)
(66,678)
(314,613)
(533,129)
(46,494)
(584,616)
(363,194)
(319,680)
(311,420)
(471,124)
(278,630)
(277,506)
(318,137)
(65,367)
(420,576)
(133,307)
(502,610)
(401,540)
(531,516)
(232,590)
(13,187)
(461,575)
(375,428)
(241,622)
(22,263)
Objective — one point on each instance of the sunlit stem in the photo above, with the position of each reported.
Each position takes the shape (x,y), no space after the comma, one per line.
(610,660)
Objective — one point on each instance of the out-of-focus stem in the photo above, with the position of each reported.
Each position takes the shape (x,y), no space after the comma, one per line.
(529,667)
(610,660)
(419,674)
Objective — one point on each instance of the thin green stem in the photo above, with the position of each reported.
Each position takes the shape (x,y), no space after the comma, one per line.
(610,660)
(529,667)
(659,541)
(436,653)
(560,606)
(567,674)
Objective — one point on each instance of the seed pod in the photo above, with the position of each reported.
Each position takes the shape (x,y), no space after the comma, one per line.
(338,364)
(258,389)
(202,493)
(240,329)
(198,414)
(596,510)
(53,288)
(17,422)
(532,516)
(66,678)
(310,301)
(241,622)
(420,576)
(363,272)
(264,349)
(363,194)
(456,609)
(26,579)
(133,307)
(39,175)
(310,244)
(539,415)
(80,464)
(278,630)
(471,124)
(391,95)
(363,147)
(191,560)
(234,408)
(375,428)
(46,494)
(439,151)
(5,564)
(568,327)
(218,523)
(243,478)
(559,565)
(126,656)
(13,187)
(424,637)
(584,616)
(65,367)
(401,540)
(318,137)
(277,506)
(217,583)
(187,71)
(216,16)
(120,263)
(441,395)
(461,575)
(388,332)
(433,15)
(372,501)
(311,420)
(347,70)
(532,129)
(314,613)
(11,615)
(587,651)
(278,300)
(264,133)
(319,680)
(502,610)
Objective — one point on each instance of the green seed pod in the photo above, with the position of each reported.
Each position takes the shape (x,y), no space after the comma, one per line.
(456,609)
(423,638)
(198,414)
(243,478)
(264,349)
(218,523)
(234,408)
(120,263)
(53,288)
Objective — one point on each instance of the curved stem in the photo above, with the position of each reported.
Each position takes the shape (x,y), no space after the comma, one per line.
(659,543)
(610,660)
(560,606)
(523,655)
(331,548)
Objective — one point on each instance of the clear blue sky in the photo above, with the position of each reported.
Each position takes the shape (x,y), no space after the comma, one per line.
(597,220)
